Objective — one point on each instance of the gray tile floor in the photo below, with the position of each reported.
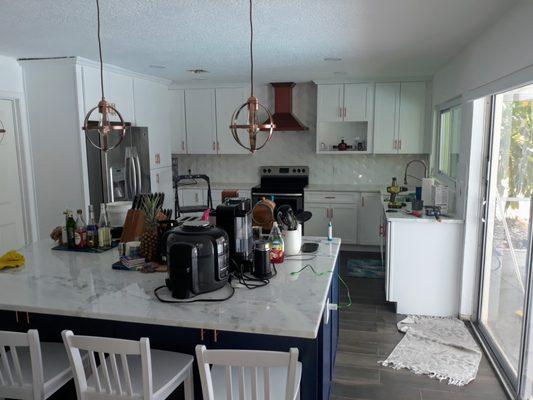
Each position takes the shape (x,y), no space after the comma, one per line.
(368,334)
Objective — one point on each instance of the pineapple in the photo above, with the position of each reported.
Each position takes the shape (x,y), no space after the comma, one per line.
(149,239)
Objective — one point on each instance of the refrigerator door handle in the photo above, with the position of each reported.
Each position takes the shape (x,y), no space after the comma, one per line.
(133,176)
(138,175)
(111,185)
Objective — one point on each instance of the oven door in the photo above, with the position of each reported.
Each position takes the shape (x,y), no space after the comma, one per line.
(295,200)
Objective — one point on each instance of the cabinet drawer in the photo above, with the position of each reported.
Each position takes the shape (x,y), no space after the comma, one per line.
(332,197)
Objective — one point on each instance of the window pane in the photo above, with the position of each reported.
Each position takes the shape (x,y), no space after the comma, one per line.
(449,141)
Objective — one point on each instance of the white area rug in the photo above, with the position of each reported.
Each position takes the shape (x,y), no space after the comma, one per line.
(441,348)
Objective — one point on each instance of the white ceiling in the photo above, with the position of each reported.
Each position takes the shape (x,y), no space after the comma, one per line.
(374,38)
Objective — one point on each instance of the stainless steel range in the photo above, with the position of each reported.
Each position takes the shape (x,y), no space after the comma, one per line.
(285,185)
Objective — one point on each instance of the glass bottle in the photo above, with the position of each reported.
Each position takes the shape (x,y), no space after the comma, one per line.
(104,229)
(71,229)
(277,245)
(92,229)
(81,231)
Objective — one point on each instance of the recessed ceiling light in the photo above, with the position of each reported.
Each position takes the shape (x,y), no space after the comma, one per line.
(155,66)
(198,71)
(332,59)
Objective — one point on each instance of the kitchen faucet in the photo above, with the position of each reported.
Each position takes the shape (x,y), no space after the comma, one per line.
(407,167)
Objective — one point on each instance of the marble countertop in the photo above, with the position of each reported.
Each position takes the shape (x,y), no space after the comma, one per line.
(84,285)
(359,187)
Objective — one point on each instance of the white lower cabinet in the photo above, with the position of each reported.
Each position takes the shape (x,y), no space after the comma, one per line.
(369,219)
(318,224)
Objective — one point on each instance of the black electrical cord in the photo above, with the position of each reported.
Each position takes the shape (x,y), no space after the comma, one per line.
(250,282)
(157,289)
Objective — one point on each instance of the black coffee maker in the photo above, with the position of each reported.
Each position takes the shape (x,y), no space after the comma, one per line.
(197,259)
(235,217)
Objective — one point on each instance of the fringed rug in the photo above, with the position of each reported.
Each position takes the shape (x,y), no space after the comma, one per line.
(441,348)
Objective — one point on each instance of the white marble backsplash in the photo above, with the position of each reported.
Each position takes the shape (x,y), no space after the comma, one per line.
(299,148)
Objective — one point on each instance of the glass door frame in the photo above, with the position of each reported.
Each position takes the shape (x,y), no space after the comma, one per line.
(515,384)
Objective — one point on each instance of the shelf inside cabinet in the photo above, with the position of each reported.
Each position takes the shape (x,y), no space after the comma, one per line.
(330,134)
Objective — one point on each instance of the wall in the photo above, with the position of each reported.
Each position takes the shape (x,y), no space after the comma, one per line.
(298,148)
(503,49)
(12,88)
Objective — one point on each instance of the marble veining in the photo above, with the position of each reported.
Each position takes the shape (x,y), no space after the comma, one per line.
(84,285)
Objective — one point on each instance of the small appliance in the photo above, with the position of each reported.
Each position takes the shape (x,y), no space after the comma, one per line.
(235,217)
(197,259)
(262,267)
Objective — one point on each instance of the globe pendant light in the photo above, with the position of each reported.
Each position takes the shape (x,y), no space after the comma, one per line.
(253,106)
(104,127)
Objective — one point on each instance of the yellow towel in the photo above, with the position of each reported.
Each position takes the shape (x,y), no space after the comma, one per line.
(12,259)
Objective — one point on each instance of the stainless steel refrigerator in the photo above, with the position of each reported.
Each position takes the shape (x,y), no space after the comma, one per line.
(126,170)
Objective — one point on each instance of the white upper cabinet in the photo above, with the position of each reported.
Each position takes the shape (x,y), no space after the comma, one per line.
(399,118)
(386,109)
(412,118)
(178,130)
(227,100)
(118,90)
(330,103)
(201,121)
(151,110)
(357,101)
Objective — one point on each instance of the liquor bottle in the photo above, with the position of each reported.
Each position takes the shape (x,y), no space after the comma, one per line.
(92,229)
(71,229)
(81,231)
(104,229)
(277,245)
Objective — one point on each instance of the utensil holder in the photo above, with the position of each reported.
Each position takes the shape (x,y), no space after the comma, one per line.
(293,241)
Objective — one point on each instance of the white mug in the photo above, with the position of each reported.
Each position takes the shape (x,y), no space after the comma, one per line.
(293,241)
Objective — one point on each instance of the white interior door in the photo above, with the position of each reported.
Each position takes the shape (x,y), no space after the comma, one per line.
(11,216)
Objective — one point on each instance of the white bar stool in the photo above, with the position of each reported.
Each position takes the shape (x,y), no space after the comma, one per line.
(280,381)
(128,369)
(22,375)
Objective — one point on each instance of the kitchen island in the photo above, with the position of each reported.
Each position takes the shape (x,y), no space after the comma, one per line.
(80,291)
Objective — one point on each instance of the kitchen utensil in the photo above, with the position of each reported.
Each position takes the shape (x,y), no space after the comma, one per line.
(286,218)
(304,216)
(263,214)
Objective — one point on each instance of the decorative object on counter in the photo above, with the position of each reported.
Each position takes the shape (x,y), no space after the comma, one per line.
(105,109)
(70,224)
(441,348)
(394,189)
(57,235)
(104,229)
(277,245)
(2,131)
(253,106)
(12,259)
(342,146)
(92,229)
(263,214)
(81,231)
(151,207)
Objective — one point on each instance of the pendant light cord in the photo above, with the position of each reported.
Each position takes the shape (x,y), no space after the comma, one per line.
(251,50)
(100,48)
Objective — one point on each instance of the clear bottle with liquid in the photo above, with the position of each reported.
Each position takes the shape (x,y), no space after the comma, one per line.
(81,231)
(92,229)
(70,224)
(104,228)
(277,245)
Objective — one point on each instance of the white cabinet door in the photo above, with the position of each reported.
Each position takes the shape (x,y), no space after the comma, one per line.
(318,224)
(386,109)
(330,103)
(119,92)
(412,118)
(227,100)
(369,219)
(161,181)
(91,89)
(345,223)
(200,121)
(151,110)
(355,101)
(178,133)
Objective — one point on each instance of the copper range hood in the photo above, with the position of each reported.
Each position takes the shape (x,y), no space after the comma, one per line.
(283,116)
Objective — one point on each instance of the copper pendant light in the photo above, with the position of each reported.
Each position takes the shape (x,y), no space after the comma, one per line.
(104,127)
(253,106)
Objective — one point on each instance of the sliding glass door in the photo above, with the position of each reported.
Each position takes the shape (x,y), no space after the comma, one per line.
(506,266)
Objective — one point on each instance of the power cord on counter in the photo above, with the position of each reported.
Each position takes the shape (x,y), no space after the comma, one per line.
(250,282)
(340,306)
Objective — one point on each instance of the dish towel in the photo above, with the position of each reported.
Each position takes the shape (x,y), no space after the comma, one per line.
(441,348)
(12,259)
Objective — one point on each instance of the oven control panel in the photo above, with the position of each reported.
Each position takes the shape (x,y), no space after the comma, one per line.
(291,170)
